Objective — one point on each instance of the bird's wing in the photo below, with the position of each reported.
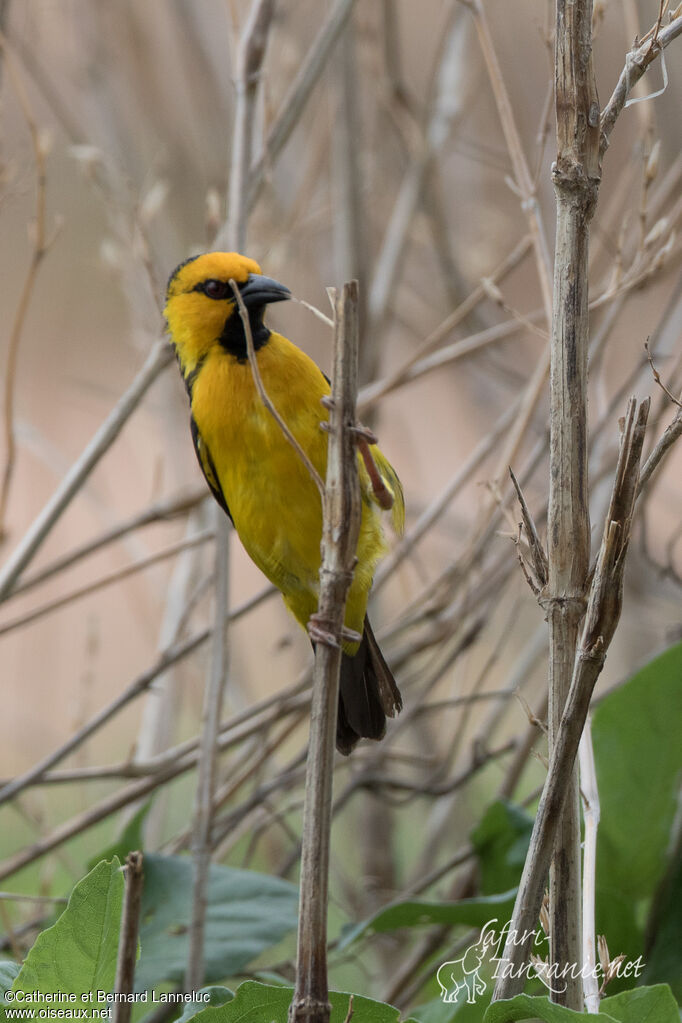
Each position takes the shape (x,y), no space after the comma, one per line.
(208,468)
(393,484)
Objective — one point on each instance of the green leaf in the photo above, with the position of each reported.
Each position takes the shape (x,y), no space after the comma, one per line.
(654,1004)
(247,913)
(501,841)
(131,838)
(438,1011)
(216,996)
(538,1007)
(636,732)
(78,953)
(260,1003)
(8,972)
(417,913)
(663,960)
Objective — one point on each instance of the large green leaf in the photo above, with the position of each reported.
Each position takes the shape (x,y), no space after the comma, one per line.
(501,841)
(458,1011)
(260,1003)
(636,732)
(654,1004)
(419,912)
(77,955)
(8,972)
(638,1005)
(663,958)
(210,996)
(538,1007)
(246,914)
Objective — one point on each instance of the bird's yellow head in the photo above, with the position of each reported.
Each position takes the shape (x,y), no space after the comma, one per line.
(201,310)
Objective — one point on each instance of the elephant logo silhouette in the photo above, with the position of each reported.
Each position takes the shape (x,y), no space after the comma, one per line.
(463,973)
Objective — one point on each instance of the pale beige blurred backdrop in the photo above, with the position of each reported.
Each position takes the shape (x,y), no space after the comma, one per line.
(135,102)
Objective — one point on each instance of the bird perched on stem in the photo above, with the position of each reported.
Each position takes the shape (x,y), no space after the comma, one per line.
(259,478)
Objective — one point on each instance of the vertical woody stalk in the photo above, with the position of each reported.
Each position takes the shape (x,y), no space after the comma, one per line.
(576,182)
(341,516)
(250,59)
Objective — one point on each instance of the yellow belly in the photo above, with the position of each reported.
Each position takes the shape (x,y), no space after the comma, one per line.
(273,501)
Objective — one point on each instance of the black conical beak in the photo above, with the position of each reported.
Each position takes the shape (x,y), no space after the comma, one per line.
(259,290)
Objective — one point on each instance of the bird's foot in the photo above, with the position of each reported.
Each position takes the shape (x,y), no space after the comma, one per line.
(319,632)
(363,439)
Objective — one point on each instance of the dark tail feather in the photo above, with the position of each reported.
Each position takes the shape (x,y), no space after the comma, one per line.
(367,694)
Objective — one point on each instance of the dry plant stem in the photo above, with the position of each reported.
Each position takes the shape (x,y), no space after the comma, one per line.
(603,612)
(230,734)
(161,511)
(158,714)
(298,95)
(124,797)
(537,551)
(208,760)
(351,251)
(250,58)
(373,392)
(590,794)
(107,580)
(341,524)
(168,658)
(160,356)
(40,246)
(127,945)
(522,173)
(429,140)
(636,63)
(576,183)
(141,683)
(668,438)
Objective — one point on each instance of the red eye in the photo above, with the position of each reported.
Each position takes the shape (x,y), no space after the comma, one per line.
(216,289)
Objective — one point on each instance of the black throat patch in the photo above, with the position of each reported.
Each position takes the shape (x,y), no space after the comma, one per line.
(233,338)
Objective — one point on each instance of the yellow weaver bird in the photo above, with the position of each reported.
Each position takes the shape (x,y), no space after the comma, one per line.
(258,478)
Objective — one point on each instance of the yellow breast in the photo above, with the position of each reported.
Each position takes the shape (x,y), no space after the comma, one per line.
(273,501)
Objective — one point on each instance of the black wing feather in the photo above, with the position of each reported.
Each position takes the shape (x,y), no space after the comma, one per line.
(208,468)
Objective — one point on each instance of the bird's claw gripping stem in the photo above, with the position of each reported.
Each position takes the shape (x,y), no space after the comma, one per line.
(319,632)
(363,437)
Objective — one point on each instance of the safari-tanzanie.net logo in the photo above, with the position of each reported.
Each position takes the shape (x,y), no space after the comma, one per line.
(461,976)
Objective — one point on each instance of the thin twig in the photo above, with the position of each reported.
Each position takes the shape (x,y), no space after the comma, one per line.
(132,793)
(263,394)
(208,760)
(141,683)
(107,580)
(657,377)
(298,95)
(39,248)
(161,511)
(538,555)
(251,54)
(665,443)
(522,174)
(636,63)
(127,944)
(160,356)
